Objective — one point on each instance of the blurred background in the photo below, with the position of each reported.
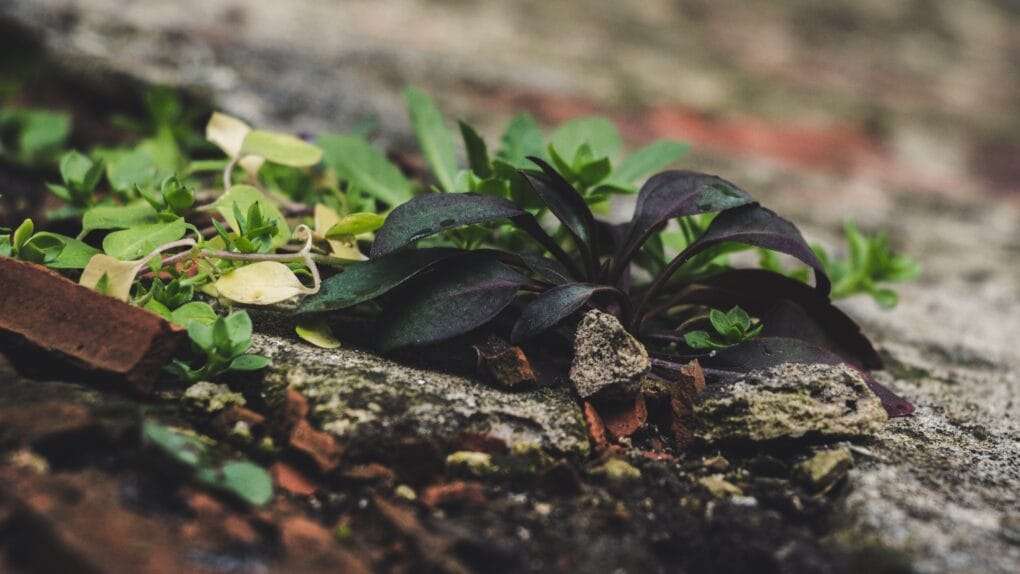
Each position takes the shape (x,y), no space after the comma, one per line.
(900,114)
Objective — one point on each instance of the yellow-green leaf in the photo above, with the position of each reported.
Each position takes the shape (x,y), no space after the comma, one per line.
(228,133)
(262,283)
(355,224)
(342,247)
(283,149)
(128,244)
(119,275)
(318,333)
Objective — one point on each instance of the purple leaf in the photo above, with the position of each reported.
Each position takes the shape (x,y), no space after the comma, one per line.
(551,307)
(788,308)
(767,352)
(569,207)
(455,297)
(669,195)
(429,214)
(364,281)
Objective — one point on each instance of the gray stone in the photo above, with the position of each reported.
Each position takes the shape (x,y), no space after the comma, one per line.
(789,401)
(607,359)
(369,402)
(210,397)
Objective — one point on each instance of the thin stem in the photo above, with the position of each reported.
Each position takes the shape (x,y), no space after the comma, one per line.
(228,173)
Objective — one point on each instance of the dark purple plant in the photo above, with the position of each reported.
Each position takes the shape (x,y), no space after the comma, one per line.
(434,294)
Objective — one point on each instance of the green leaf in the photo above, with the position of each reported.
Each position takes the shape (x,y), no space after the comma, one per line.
(522,138)
(75,167)
(74,255)
(702,340)
(249,363)
(886,298)
(316,331)
(194,311)
(201,334)
(21,234)
(130,244)
(723,325)
(355,223)
(435,140)
(478,155)
(599,133)
(103,285)
(248,481)
(135,168)
(366,168)
(283,149)
(41,248)
(42,132)
(647,160)
(238,329)
(118,216)
(592,173)
(159,309)
(242,197)
(740,318)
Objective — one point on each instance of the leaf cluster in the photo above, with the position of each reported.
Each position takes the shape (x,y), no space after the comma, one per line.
(223,344)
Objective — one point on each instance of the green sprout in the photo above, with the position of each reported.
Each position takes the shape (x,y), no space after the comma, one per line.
(80,176)
(729,328)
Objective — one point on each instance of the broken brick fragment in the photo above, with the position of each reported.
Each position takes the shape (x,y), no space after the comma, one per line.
(505,364)
(596,429)
(318,446)
(292,480)
(623,417)
(89,330)
(372,473)
(456,493)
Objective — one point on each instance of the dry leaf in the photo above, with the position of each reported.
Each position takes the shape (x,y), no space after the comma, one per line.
(119,275)
(262,283)
(228,133)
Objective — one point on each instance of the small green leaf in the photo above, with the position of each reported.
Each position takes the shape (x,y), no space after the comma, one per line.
(886,298)
(75,167)
(317,332)
(249,363)
(43,132)
(435,140)
(43,248)
(21,234)
(118,216)
(598,133)
(135,168)
(159,309)
(701,340)
(354,224)
(366,168)
(194,311)
(103,285)
(130,244)
(239,328)
(647,160)
(283,149)
(521,139)
(478,155)
(201,335)
(248,481)
(722,324)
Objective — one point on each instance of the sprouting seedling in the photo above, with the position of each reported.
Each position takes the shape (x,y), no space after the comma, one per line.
(728,328)
(80,176)
(223,344)
(255,230)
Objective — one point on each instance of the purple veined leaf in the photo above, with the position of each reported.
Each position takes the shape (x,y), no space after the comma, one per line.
(749,224)
(767,352)
(366,280)
(549,270)
(455,297)
(787,308)
(554,305)
(569,207)
(429,214)
(668,195)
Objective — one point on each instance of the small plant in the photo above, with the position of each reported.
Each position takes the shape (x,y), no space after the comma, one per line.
(434,293)
(729,328)
(80,176)
(223,344)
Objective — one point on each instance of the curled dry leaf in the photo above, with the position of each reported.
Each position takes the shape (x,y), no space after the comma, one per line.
(262,283)
(119,275)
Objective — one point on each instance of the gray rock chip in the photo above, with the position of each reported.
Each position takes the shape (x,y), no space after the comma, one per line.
(607,359)
(370,403)
(212,398)
(789,401)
